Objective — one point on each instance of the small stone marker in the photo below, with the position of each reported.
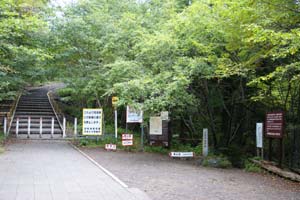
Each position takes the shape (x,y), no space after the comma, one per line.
(205,142)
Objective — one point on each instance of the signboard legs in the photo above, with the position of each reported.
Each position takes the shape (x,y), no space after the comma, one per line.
(270,149)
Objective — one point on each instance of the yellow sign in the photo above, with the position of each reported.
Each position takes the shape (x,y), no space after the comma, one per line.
(92,121)
(115,101)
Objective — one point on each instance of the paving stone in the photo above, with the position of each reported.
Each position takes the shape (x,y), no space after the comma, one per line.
(53,170)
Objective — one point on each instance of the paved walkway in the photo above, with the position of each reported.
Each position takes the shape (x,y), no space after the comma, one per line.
(53,170)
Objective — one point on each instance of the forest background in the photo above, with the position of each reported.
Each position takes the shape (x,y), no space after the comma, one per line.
(220,64)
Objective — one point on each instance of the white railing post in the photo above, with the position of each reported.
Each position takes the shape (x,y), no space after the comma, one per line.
(5,126)
(28,128)
(75,127)
(17,128)
(52,127)
(64,127)
(41,127)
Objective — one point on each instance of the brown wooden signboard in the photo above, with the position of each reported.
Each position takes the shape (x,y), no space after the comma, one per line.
(274,124)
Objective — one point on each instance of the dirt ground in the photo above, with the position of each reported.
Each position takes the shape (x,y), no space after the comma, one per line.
(162,177)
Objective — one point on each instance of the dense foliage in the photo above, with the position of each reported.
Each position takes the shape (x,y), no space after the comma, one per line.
(22,52)
(219,64)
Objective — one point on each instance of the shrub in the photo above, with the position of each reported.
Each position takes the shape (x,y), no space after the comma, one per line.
(252,167)
(216,161)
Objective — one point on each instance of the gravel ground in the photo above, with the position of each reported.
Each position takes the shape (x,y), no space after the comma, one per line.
(164,178)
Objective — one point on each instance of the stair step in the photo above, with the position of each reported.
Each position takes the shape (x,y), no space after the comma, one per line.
(34,109)
(35,113)
(35,104)
(35,126)
(25,117)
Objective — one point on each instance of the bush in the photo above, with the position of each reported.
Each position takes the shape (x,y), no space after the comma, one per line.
(252,167)
(156,149)
(216,161)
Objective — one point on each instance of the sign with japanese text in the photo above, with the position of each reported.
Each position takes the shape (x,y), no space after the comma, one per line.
(274,124)
(155,126)
(92,122)
(259,135)
(164,115)
(127,136)
(127,139)
(134,115)
(181,154)
(127,142)
(111,147)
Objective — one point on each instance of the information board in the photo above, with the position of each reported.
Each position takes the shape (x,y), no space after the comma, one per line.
(164,115)
(155,126)
(92,122)
(274,124)
(134,115)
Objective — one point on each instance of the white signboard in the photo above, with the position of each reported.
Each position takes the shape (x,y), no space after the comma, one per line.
(259,135)
(133,115)
(155,126)
(127,136)
(205,142)
(112,147)
(164,115)
(181,154)
(127,142)
(92,121)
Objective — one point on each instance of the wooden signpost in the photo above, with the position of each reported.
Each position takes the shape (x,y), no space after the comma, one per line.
(274,130)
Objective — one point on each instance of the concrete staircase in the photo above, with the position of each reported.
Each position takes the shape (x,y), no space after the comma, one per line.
(34,104)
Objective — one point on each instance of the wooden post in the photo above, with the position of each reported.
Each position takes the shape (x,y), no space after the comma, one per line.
(270,149)
(280,152)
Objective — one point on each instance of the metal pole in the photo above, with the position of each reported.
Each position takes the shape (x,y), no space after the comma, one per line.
(64,127)
(52,127)
(5,126)
(17,128)
(28,128)
(116,124)
(75,127)
(41,127)
(142,137)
